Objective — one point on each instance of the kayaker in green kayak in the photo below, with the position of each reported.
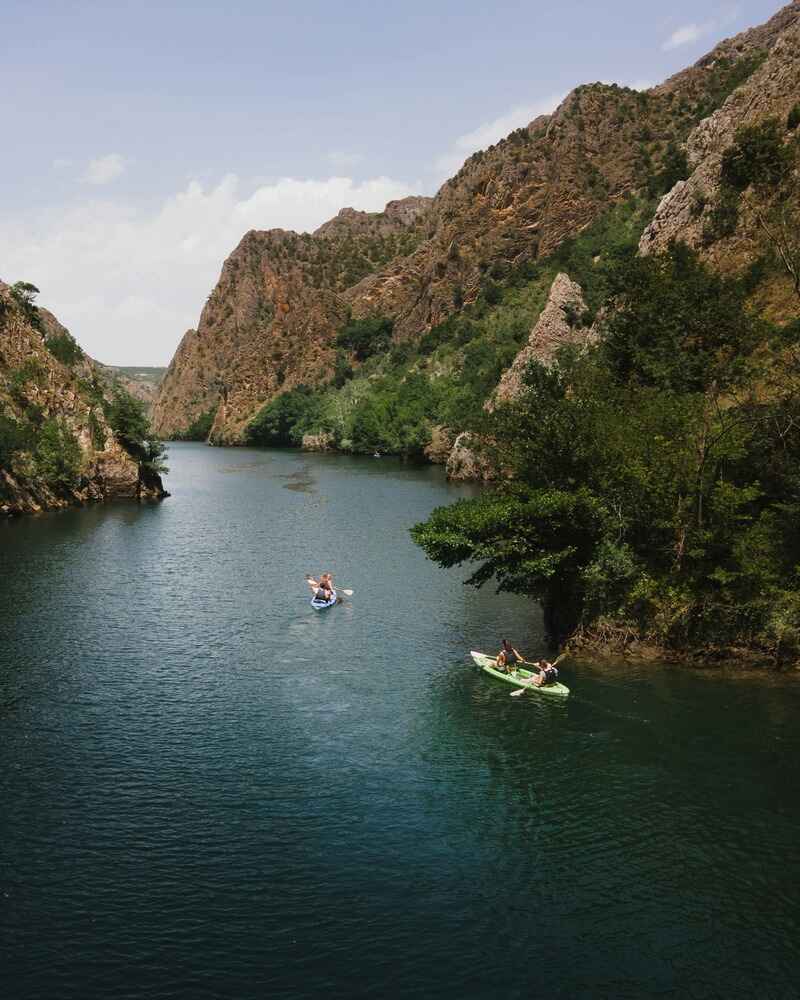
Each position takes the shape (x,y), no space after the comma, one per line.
(548,674)
(508,657)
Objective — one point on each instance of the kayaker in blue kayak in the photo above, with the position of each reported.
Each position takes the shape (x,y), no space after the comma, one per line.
(508,656)
(322,590)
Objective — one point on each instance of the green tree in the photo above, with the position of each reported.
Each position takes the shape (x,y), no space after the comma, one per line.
(286,418)
(63,347)
(757,156)
(128,419)
(365,337)
(676,324)
(58,457)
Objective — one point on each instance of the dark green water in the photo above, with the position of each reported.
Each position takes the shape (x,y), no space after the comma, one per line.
(209,790)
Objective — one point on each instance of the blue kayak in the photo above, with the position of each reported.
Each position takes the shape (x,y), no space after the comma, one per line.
(321,605)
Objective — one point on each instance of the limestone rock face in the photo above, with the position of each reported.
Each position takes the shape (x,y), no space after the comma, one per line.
(686,212)
(465,461)
(559,324)
(317,442)
(440,446)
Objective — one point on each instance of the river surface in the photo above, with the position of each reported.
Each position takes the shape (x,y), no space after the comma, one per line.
(209,790)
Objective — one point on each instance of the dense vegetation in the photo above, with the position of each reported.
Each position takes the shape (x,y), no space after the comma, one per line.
(388,398)
(198,429)
(656,485)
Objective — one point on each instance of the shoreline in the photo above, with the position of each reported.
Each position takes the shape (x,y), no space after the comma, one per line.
(588,645)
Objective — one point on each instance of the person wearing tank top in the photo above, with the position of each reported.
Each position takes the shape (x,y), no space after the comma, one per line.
(508,656)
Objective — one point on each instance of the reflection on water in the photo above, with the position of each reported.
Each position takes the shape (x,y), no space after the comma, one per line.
(300,481)
(210,790)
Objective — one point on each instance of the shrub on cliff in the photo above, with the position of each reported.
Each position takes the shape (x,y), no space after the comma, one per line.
(21,380)
(63,347)
(674,168)
(365,337)
(757,156)
(15,436)
(24,294)
(131,427)
(58,455)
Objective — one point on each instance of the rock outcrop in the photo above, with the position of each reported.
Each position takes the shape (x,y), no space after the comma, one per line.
(465,461)
(689,212)
(317,442)
(57,447)
(560,323)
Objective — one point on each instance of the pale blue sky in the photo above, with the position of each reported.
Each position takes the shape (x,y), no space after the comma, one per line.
(143,139)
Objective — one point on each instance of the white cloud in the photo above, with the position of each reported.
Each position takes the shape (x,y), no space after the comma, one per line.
(129,281)
(492,131)
(59,163)
(687,34)
(104,169)
(340,160)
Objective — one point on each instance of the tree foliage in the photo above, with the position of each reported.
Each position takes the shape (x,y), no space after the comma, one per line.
(58,456)
(365,337)
(285,419)
(131,427)
(656,475)
(756,156)
(63,347)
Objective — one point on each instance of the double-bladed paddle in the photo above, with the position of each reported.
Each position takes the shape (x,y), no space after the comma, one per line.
(339,590)
(522,690)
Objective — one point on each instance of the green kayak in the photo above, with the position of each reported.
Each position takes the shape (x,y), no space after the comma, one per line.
(519,676)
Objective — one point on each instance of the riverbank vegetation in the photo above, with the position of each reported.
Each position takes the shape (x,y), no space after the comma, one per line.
(651,483)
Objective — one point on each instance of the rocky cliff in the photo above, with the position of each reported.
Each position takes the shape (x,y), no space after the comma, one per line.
(560,324)
(271,322)
(733,218)
(57,443)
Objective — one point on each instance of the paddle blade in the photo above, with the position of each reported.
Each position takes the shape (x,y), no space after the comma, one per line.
(516,694)
(347,593)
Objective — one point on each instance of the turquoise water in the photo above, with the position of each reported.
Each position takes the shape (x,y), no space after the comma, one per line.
(209,790)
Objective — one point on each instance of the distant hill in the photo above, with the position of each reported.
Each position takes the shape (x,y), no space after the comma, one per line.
(140,381)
